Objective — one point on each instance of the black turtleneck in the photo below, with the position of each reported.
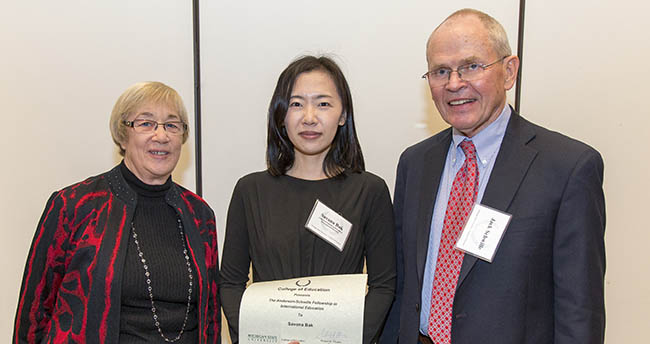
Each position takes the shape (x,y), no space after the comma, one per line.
(156,224)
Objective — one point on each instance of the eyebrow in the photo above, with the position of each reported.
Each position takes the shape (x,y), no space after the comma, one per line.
(465,61)
(318,96)
(149,115)
(471,59)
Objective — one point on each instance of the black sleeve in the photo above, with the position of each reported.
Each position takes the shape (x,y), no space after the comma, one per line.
(235,261)
(380,263)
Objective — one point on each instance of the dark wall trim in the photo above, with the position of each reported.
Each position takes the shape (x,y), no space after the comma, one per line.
(197,97)
(520,52)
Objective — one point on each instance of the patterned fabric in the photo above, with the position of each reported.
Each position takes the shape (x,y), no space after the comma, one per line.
(461,200)
(71,285)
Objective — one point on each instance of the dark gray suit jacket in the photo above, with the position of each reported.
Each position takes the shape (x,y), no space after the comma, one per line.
(545,284)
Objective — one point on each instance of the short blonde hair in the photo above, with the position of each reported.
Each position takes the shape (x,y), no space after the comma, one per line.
(140,94)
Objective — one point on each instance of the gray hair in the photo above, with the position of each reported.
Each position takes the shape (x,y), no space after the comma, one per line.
(497,35)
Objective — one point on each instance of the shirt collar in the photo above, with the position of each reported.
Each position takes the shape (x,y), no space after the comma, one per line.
(488,140)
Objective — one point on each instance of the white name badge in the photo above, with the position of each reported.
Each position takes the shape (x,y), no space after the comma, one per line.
(328,225)
(483,231)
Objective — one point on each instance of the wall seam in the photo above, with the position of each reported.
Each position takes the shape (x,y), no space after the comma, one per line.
(196,43)
(520,52)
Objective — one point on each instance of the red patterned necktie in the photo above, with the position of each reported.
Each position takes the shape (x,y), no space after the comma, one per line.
(461,199)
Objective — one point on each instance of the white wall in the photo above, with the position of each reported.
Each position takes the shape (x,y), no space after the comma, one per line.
(63,65)
(380,45)
(585,74)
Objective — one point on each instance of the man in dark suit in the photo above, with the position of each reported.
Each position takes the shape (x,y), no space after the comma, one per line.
(545,281)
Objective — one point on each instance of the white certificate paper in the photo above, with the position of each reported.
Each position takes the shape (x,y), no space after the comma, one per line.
(317,309)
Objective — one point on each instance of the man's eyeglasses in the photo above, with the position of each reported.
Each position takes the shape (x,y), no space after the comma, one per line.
(468,72)
(148,126)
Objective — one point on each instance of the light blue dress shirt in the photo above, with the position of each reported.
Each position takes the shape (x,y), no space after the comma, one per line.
(487,143)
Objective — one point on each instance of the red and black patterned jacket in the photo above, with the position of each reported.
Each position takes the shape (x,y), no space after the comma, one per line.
(72,282)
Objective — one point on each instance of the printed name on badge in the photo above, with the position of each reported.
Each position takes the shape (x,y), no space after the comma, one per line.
(483,231)
(328,225)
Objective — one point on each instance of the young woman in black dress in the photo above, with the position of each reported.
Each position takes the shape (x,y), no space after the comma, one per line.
(312,154)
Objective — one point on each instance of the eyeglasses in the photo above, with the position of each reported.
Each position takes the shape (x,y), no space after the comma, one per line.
(146,126)
(468,72)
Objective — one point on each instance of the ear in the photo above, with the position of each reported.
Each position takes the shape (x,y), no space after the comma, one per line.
(511,71)
(342,119)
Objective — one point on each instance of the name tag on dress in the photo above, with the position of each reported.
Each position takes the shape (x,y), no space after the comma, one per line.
(328,225)
(483,231)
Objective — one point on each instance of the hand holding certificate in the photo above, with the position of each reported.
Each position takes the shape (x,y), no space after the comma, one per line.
(317,309)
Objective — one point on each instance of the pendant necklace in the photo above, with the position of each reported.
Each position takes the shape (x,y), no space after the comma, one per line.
(147,275)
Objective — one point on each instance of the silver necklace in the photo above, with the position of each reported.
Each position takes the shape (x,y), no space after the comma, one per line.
(147,275)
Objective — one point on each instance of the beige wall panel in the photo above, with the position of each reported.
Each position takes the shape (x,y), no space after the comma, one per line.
(585,74)
(64,63)
(380,45)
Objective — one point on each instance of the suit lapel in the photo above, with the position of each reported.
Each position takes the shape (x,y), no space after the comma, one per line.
(510,168)
(431,172)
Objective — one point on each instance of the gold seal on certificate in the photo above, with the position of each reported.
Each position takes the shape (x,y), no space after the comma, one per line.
(316,309)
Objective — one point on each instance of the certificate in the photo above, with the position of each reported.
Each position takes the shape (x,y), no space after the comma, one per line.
(316,309)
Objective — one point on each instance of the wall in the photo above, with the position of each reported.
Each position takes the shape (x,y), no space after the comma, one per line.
(380,45)
(64,64)
(585,74)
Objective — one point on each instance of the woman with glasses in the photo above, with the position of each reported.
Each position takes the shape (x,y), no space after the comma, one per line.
(313,154)
(127,256)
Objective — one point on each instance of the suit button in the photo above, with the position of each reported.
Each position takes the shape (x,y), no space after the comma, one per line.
(461,315)
(417,307)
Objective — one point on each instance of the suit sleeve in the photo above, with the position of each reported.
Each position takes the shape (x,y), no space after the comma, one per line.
(235,262)
(43,274)
(579,255)
(391,330)
(380,262)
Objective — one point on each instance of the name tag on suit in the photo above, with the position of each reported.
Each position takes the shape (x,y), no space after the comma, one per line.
(483,232)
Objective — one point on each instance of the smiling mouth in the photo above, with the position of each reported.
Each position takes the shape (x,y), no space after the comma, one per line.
(461,102)
(158,153)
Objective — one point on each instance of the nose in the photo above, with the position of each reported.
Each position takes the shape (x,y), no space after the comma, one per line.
(455,82)
(310,115)
(160,134)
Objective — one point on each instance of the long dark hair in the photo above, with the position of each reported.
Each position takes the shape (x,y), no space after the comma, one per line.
(345,152)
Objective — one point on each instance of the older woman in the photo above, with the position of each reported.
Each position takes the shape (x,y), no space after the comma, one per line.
(312,154)
(127,256)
